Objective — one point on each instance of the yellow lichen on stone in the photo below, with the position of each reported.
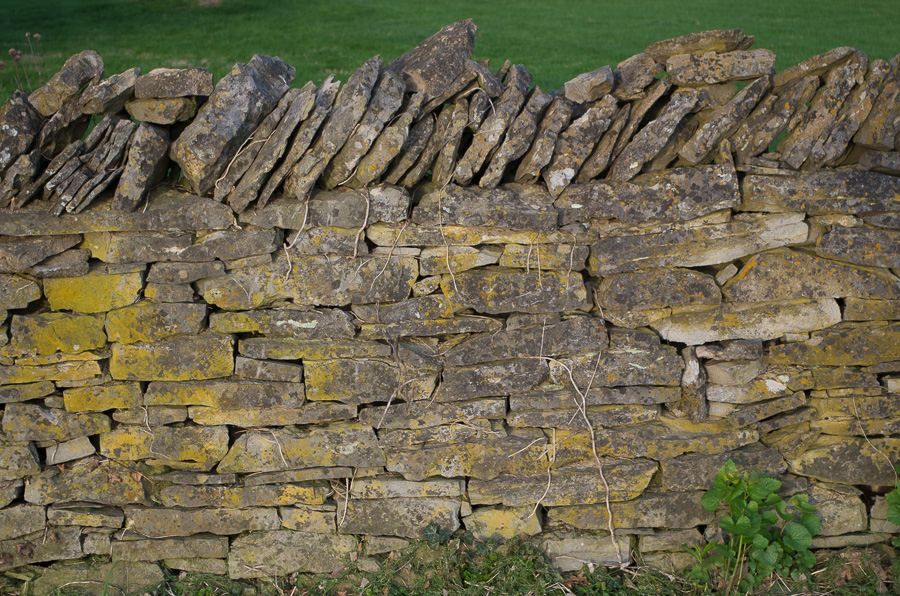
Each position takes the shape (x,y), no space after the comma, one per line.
(94,292)
(503,522)
(103,397)
(47,333)
(206,356)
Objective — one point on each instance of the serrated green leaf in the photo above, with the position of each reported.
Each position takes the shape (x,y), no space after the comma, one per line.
(727,524)
(811,523)
(744,526)
(760,542)
(893,515)
(772,499)
(796,537)
(807,559)
(769,517)
(711,499)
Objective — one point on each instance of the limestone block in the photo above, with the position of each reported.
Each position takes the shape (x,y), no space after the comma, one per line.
(717,40)
(64,543)
(399,516)
(94,292)
(850,346)
(697,471)
(163,522)
(87,480)
(861,245)
(283,552)
(193,448)
(495,379)
(516,291)
(21,520)
(18,254)
(341,444)
(242,497)
(17,291)
(502,522)
(572,551)
(77,71)
(839,508)
(204,547)
(29,422)
(310,413)
(709,68)
(205,356)
(48,333)
(59,453)
(650,510)
(162,111)
(848,460)
(426,415)
(511,206)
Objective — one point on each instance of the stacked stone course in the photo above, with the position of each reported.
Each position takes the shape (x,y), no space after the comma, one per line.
(244,326)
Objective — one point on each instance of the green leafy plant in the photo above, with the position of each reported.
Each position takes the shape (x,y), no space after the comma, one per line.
(765,534)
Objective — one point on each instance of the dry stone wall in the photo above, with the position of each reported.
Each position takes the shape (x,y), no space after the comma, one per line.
(246,325)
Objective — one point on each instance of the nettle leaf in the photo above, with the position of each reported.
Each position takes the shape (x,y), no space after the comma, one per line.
(780,508)
(807,559)
(760,542)
(711,499)
(811,523)
(893,515)
(772,499)
(744,526)
(893,497)
(796,537)
(769,517)
(727,524)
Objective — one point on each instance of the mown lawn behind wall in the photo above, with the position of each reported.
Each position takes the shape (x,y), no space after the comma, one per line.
(554,39)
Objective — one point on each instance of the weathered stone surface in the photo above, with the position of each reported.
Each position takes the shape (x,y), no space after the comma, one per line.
(493,130)
(237,105)
(384,235)
(434,64)
(109,95)
(653,137)
(555,399)
(571,485)
(311,519)
(65,543)
(59,453)
(545,256)
(77,72)
(541,151)
(422,308)
(521,133)
(103,397)
(879,128)
(513,206)
(672,195)
(657,365)
(822,193)
(340,207)
(571,552)
(514,290)
(243,497)
(343,444)
(310,413)
(162,111)
(60,372)
(70,263)
(385,380)
(399,516)
(349,108)
(28,422)
(94,578)
(571,336)
(135,247)
(697,471)
(454,433)
(389,144)
(860,309)
(17,291)
(502,522)
(366,279)
(786,275)
(590,86)
(795,147)
(657,288)
(105,517)
(19,127)
(169,293)
(183,273)
(599,416)
(146,165)
(204,547)
(817,65)
(147,322)
(849,460)
(503,378)
(191,448)
(387,97)
(29,391)
(830,149)
(17,459)
(854,346)
(18,254)
(19,177)
(633,75)
(575,144)
(861,245)
(48,333)
(775,383)
(20,520)
(717,40)
(650,510)
(283,552)
(159,522)
(264,370)
(291,349)
(174,82)
(723,121)
(426,415)
(94,292)
(748,415)
(482,459)
(445,162)
(696,245)
(709,68)
(225,394)
(89,480)
(389,487)
(771,117)
(748,321)
(205,356)
(434,261)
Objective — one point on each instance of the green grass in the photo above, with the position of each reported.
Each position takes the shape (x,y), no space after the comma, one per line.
(555,39)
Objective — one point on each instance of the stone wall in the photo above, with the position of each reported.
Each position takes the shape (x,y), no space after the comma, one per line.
(244,338)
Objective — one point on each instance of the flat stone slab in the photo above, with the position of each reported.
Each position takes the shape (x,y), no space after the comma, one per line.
(717,40)
(483,459)
(657,288)
(161,522)
(512,206)
(308,280)
(174,82)
(677,194)
(399,516)
(861,245)
(710,68)
(87,480)
(225,394)
(341,444)
(283,552)
(29,422)
(657,510)
(748,321)
(854,346)
(434,64)
(205,356)
(848,460)
(192,448)
(694,246)
(515,290)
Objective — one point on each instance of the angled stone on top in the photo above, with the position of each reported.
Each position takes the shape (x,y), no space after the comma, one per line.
(717,40)
(238,104)
(437,62)
(694,70)
(174,82)
(78,71)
